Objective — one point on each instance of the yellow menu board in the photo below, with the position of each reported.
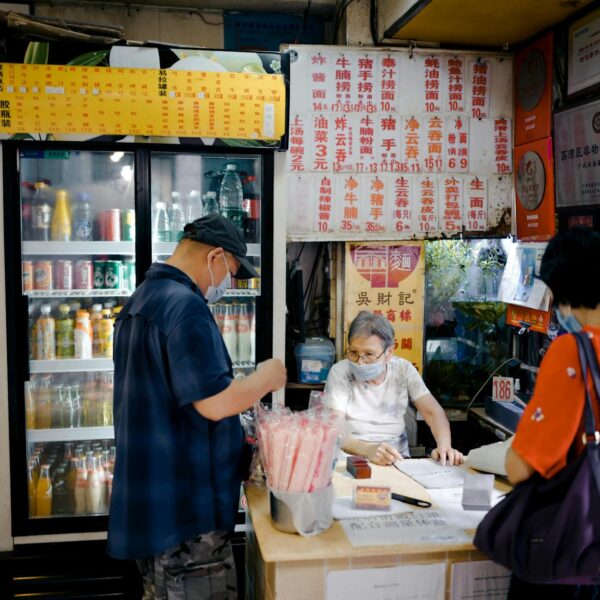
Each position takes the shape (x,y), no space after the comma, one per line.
(149,102)
(388,278)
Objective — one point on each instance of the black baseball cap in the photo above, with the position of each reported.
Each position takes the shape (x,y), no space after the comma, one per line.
(215,230)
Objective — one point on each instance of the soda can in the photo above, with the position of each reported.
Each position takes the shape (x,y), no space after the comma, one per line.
(42,275)
(240,284)
(99,274)
(128,225)
(129,274)
(112,225)
(254,283)
(63,275)
(113,277)
(27,275)
(99,229)
(83,276)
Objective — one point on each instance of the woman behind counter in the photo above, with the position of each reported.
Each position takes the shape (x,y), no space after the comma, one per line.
(372,389)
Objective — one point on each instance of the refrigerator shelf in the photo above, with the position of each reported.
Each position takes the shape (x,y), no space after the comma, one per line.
(243,365)
(77,293)
(71,365)
(72,434)
(166,248)
(233,293)
(78,248)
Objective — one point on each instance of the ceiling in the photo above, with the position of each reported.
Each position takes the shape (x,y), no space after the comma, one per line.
(485,23)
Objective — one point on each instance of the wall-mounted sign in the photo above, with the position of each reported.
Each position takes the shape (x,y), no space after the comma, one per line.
(534,183)
(584,53)
(529,319)
(533,91)
(392,143)
(577,151)
(389,279)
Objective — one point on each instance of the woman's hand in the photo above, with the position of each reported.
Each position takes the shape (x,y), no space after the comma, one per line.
(447,456)
(383,454)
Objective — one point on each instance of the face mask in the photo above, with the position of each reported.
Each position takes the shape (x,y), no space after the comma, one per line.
(569,323)
(215,293)
(367,372)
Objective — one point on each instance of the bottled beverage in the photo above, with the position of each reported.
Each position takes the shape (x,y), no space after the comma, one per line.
(210,204)
(193,208)
(243,334)
(102,503)
(83,335)
(65,343)
(161,231)
(88,403)
(61,227)
(128,225)
(105,334)
(229,332)
(71,482)
(95,319)
(105,400)
(76,404)
(128,279)
(92,491)
(43,493)
(60,493)
(58,401)
(41,213)
(176,219)
(32,333)
(46,334)
(252,316)
(81,487)
(31,485)
(231,195)
(27,274)
(30,405)
(27,195)
(83,224)
(43,405)
(68,407)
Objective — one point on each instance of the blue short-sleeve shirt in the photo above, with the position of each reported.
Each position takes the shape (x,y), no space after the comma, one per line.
(176,473)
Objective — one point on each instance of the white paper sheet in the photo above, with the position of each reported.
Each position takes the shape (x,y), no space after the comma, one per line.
(424,526)
(342,509)
(448,502)
(409,582)
(479,580)
(431,474)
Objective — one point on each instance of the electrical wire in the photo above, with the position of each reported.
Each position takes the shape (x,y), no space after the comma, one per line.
(302,25)
(339,15)
(373,22)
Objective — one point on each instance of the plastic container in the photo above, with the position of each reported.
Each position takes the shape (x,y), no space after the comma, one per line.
(314,358)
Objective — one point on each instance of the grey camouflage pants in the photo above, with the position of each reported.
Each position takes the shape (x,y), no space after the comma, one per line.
(198,569)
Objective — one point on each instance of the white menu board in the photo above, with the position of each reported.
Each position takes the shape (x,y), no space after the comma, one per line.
(393,144)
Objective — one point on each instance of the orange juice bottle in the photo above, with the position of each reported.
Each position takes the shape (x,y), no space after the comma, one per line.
(31,488)
(60,226)
(43,493)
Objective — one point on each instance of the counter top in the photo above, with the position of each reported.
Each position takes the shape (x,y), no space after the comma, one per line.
(276,546)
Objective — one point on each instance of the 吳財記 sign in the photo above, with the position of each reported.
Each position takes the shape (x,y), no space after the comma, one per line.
(534,186)
(389,279)
(392,144)
(577,155)
(584,53)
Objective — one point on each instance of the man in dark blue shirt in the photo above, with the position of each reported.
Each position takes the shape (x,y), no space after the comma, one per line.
(178,435)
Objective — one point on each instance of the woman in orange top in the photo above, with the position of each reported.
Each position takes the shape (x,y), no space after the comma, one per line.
(549,432)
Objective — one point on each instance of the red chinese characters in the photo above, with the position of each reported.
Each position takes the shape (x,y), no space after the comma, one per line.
(319,84)
(476,205)
(376,221)
(350,205)
(324,205)
(343,140)
(427,205)
(389,66)
(401,205)
(344,92)
(455,90)
(411,133)
(388,145)
(480,89)
(320,143)
(433,160)
(366,144)
(432,85)
(297,159)
(365,86)
(452,205)
(457,145)
(503,145)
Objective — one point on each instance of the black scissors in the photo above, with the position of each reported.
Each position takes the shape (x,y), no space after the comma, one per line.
(413,501)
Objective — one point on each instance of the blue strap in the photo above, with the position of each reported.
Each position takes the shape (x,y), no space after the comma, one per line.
(589,363)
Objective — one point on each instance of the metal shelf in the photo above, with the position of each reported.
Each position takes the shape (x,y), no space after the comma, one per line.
(243,365)
(165,248)
(77,293)
(72,434)
(232,293)
(71,365)
(79,248)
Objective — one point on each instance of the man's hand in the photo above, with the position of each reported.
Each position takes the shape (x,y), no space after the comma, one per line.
(273,373)
(383,454)
(447,456)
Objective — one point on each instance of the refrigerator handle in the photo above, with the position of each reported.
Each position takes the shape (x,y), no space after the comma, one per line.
(24,347)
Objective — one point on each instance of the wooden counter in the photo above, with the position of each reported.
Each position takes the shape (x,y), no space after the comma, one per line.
(290,567)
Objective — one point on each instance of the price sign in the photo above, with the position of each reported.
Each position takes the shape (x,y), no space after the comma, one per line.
(503,388)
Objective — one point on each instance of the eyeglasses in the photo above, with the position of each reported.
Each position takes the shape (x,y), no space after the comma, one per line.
(367,358)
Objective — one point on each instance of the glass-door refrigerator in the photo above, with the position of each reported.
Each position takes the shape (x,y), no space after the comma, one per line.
(82,225)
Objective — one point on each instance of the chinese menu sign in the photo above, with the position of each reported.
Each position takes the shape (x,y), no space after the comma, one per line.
(149,102)
(388,143)
(584,53)
(388,278)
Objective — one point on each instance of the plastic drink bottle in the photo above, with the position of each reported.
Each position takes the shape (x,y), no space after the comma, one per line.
(161,231)
(65,344)
(243,331)
(230,332)
(31,491)
(41,213)
(83,335)
(46,334)
(80,487)
(43,494)
(176,219)
(83,224)
(231,195)
(92,492)
(61,229)
(95,319)
(43,405)
(105,334)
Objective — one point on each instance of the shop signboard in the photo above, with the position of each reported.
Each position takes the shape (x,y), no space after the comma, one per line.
(528,319)
(390,144)
(577,151)
(584,53)
(534,183)
(533,91)
(389,279)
